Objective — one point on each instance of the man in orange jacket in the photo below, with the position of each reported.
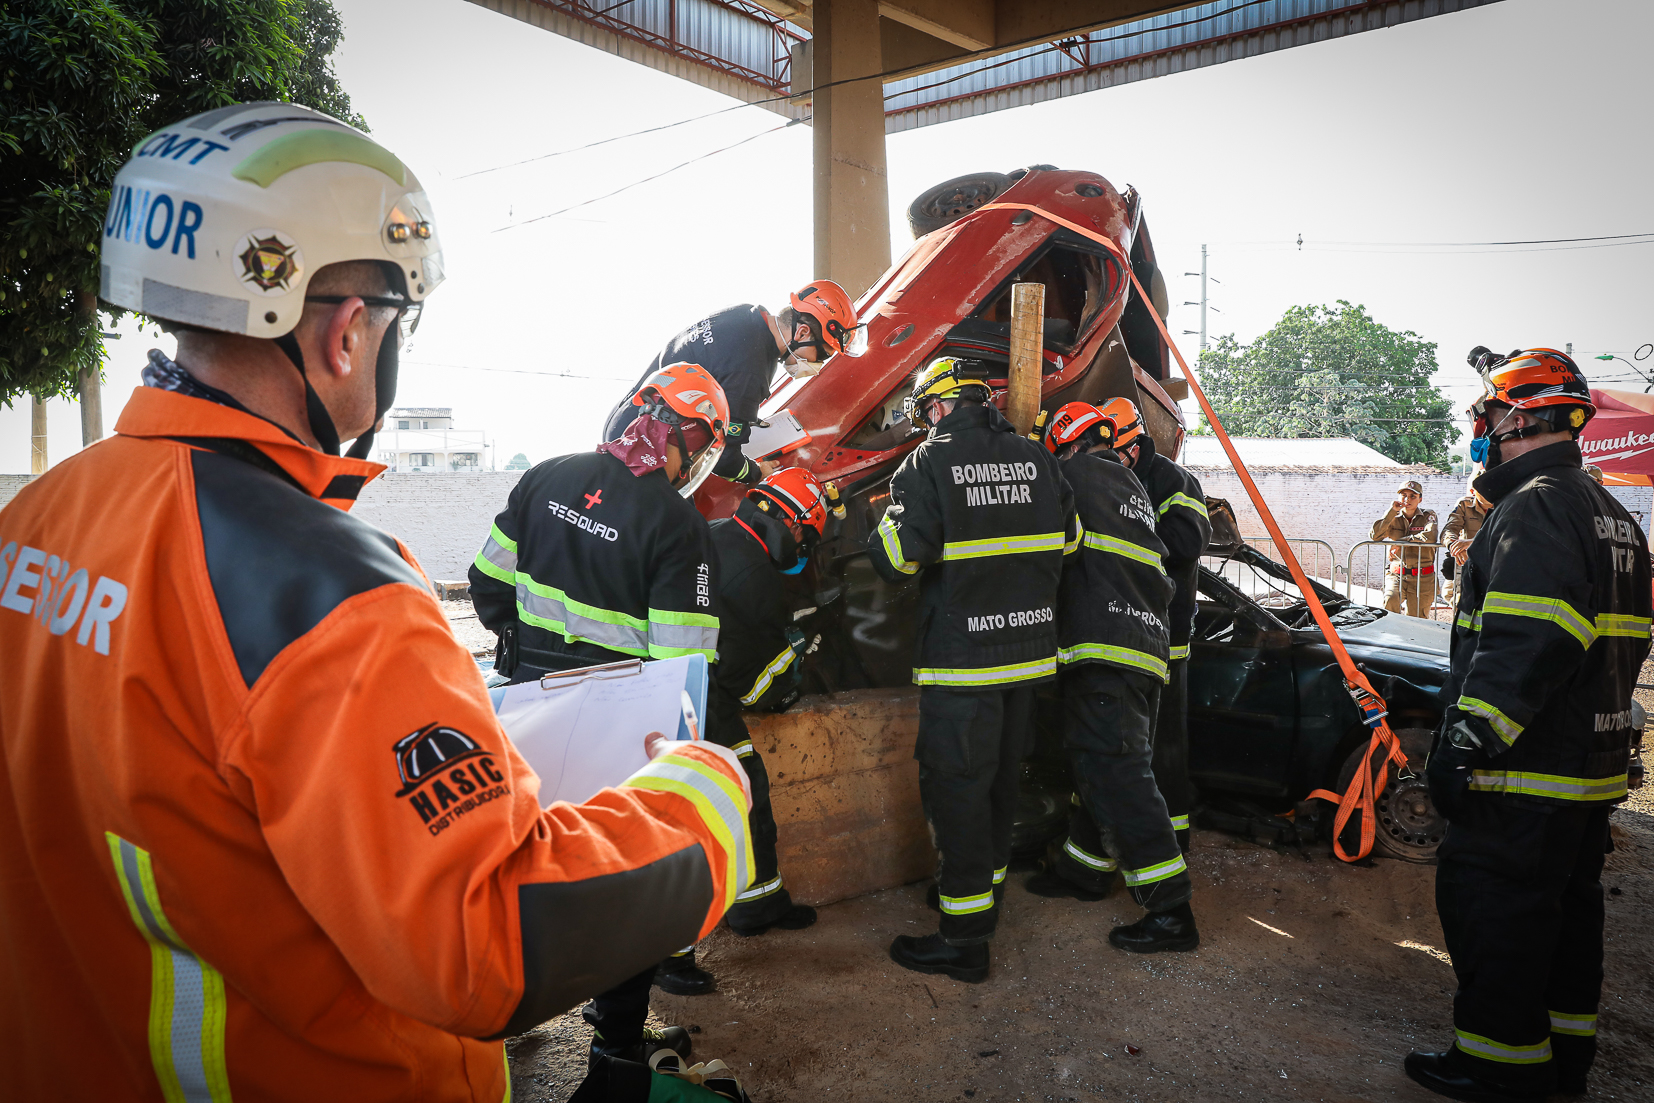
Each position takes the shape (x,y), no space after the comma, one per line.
(265,838)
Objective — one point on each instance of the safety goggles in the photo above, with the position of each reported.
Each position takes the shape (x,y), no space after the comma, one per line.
(852,340)
(407,316)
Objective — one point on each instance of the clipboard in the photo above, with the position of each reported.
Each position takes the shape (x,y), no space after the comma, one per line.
(783,434)
(582,730)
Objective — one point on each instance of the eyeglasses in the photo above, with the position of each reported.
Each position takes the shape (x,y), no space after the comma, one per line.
(407,316)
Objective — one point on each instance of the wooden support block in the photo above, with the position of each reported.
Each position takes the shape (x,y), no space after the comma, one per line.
(450,590)
(845,789)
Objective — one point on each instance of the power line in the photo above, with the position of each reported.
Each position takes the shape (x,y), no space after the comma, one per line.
(513,371)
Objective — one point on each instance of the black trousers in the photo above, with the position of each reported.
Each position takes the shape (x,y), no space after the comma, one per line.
(766,899)
(617,1017)
(970,751)
(1519,893)
(1171,749)
(1119,821)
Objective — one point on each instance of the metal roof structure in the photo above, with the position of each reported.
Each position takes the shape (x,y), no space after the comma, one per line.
(758,50)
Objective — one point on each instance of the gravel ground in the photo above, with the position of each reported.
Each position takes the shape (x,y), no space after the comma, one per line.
(467,629)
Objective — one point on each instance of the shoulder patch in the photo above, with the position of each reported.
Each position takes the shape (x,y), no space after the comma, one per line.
(280,561)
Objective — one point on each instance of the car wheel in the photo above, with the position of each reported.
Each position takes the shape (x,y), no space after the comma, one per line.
(953,199)
(1408,826)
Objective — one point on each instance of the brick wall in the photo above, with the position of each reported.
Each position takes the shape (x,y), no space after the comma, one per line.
(443,518)
(10,485)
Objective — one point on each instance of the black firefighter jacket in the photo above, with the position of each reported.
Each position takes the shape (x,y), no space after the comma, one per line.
(1551,629)
(1115,592)
(1184,527)
(590,560)
(756,662)
(988,517)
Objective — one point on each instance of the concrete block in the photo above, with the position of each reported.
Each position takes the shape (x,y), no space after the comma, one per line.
(845,789)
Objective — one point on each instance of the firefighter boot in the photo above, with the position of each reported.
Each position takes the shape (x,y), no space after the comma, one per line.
(929,954)
(1156,931)
(1445,1074)
(795,918)
(674,1038)
(680,976)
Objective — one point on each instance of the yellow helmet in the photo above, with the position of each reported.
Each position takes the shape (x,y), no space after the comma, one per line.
(949,377)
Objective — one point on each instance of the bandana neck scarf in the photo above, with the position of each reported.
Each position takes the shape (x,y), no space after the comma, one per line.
(642,447)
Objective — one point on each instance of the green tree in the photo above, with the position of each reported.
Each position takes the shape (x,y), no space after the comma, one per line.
(81,83)
(1333,372)
(519,462)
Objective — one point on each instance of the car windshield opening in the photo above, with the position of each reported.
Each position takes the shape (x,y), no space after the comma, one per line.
(1078,285)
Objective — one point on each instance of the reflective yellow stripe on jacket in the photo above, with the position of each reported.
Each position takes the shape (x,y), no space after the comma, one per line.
(1096,541)
(720,804)
(769,674)
(968,677)
(1123,656)
(1002,545)
(498,557)
(186,995)
(1502,725)
(1558,612)
(1182,499)
(892,541)
(1548,785)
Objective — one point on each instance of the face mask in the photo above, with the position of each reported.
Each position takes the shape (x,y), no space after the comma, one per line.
(1488,453)
(1478,450)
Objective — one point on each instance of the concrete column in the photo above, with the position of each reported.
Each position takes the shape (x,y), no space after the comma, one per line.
(91,407)
(37,435)
(852,194)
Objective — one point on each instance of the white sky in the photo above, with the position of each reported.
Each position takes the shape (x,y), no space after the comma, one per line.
(1519,120)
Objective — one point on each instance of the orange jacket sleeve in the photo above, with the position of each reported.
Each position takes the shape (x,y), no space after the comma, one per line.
(411,830)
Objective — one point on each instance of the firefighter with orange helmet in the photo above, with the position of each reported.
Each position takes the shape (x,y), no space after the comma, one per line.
(1114,646)
(741,347)
(600,557)
(760,657)
(1183,526)
(1550,632)
(265,837)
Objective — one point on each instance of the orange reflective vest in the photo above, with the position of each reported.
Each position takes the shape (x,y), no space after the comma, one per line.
(263,836)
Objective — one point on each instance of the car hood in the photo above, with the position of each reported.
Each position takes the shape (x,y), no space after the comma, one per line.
(1395,632)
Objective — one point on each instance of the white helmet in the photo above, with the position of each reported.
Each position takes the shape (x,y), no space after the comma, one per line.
(220,220)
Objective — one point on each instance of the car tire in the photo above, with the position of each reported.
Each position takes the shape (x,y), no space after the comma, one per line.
(1408,826)
(952,200)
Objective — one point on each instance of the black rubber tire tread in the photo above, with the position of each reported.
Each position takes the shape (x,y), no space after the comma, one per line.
(1415,742)
(952,200)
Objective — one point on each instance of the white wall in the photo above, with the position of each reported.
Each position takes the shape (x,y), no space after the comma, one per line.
(10,485)
(442,517)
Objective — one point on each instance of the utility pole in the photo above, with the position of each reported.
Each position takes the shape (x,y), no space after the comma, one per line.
(1202,303)
(37,435)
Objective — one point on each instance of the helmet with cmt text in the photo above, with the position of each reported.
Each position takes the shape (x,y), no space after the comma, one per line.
(1542,382)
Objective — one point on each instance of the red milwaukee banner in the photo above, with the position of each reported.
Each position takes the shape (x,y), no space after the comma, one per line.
(1620,439)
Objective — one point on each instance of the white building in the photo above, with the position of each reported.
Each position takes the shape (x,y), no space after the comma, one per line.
(423,438)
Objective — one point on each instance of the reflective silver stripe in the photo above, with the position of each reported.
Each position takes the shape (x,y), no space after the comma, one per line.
(548,611)
(757,892)
(1480,1046)
(670,639)
(769,674)
(1002,545)
(1122,656)
(743,748)
(498,557)
(999,874)
(1180,823)
(1107,865)
(1548,785)
(1179,651)
(187,1005)
(713,796)
(1506,728)
(1182,499)
(1616,624)
(1148,875)
(892,541)
(1096,541)
(689,949)
(984,676)
(965,905)
(1555,610)
(1583,1026)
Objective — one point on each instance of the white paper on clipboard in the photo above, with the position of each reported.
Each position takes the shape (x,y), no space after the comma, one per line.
(583,730)
(782,434)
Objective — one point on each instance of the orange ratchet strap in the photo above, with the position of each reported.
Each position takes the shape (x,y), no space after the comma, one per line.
(1364,791)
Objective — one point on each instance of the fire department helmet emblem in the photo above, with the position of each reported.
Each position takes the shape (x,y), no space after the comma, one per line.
(269,262)
(1577,418)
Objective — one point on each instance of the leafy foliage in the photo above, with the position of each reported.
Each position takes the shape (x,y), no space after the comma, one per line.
(82,82)
(1333,372)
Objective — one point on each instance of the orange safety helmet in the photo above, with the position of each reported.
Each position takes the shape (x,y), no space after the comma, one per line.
(798,494)
(1128,422)
(685,394)
(1542,382)
(835,314)
(1072,421)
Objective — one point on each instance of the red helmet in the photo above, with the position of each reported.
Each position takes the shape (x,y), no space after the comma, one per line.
(1128,423)
(798,494)
(686,395)
(835,316)
(1534,381)
(1072,421)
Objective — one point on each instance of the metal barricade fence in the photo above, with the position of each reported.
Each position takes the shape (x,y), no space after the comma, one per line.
(1371,580)
(1316,556)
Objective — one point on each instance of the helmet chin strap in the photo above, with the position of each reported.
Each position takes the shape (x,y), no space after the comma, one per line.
(321,422)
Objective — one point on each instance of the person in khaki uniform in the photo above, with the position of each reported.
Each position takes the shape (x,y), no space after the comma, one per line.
(1411,575)
(1462,526)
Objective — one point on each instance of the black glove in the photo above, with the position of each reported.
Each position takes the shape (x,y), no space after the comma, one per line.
(1449,769)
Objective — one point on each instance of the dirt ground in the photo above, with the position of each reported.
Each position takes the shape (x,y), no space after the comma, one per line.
(1313,980)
